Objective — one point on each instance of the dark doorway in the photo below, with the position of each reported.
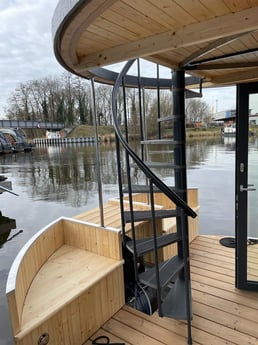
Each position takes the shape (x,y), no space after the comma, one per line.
(247,188)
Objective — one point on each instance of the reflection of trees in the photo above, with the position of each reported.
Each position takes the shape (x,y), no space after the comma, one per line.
(197,151)
(63,173)
(68,173)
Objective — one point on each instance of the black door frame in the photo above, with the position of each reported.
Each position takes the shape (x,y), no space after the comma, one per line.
(242,137)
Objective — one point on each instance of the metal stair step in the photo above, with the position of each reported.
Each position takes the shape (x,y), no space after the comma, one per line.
(144,189)
(147,215)
(146,245)
(167,270)
(156,152)
(174,304)
(163,165)
(158,142)
(166,118)
(160,165)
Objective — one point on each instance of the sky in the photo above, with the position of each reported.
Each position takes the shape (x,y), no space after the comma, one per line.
(26,51)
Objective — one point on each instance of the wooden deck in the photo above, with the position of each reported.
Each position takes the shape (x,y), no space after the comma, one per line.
(222,314)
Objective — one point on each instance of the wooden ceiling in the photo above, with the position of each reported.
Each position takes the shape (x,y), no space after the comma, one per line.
(213,39)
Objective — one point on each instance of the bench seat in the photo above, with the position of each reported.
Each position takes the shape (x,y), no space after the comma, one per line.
(67,281)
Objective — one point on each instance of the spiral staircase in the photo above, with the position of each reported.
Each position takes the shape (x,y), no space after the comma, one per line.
(167,280)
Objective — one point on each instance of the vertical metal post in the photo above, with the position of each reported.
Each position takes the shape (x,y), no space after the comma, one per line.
(181,181)
(140,106)
(158,100)
(179,139)
(144,126)
(96,137)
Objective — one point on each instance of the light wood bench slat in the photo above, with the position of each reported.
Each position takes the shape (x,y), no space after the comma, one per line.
(83,269)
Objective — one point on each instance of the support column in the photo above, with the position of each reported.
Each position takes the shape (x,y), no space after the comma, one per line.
(181,185)
(179,131)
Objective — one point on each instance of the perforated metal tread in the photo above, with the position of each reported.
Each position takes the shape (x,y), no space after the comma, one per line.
(147,215)
(167,270)
(146,245)
(158,142)
(174,305)
(144,189)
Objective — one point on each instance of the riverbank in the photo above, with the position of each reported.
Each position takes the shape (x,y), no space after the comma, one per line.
(107,133)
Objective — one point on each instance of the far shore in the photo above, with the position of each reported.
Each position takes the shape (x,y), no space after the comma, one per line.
(107,133)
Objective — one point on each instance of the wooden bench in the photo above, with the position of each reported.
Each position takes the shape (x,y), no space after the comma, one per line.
(65,283)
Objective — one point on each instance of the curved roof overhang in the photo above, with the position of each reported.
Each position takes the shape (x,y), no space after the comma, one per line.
(216,41)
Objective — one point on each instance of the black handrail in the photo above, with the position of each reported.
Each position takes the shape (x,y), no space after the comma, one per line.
(158,183)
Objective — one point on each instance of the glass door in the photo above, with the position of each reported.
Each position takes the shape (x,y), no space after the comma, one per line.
(247,187)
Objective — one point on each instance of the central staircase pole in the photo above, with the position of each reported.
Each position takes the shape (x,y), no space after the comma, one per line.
(178,78)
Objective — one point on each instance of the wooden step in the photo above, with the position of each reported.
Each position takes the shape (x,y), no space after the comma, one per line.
(147,215)
(167,270)
(146,245)
(174,304)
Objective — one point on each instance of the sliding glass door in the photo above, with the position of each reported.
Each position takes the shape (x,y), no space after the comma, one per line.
(247,187)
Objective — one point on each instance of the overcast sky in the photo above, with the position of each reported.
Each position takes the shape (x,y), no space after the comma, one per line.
(26,50)
(25,43)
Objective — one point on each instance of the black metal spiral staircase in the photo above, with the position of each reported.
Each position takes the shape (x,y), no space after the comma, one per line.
(170,279)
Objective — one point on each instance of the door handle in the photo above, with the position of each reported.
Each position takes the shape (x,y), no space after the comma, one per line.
(249,188)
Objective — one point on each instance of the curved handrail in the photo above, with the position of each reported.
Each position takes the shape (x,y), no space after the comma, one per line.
(161,185)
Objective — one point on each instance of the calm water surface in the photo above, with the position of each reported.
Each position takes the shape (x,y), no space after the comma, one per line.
(61,181)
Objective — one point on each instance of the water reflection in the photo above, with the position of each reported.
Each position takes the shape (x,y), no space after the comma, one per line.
(58,173)
(229,142)
(67,174)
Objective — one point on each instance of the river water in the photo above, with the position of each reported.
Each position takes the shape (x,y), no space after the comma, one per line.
(59,181)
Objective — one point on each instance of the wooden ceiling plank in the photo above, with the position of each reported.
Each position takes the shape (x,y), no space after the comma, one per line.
(84,18)
(196,9)
(92,42)
(219,10)
(207,49)
(242,76)
(193,34)
(177,16)
(99,33)
(239,5)
(249,42)
(137,17)
(116,29)
(126,23)
(150,11)
(223,65)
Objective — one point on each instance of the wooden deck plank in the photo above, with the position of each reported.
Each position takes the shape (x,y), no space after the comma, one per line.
(222,314)
(130,333)
(145,326)
(221,317)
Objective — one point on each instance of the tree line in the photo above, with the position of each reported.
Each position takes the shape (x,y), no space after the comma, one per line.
(68,99)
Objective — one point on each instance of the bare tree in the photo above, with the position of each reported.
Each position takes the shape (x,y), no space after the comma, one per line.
(196,110)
